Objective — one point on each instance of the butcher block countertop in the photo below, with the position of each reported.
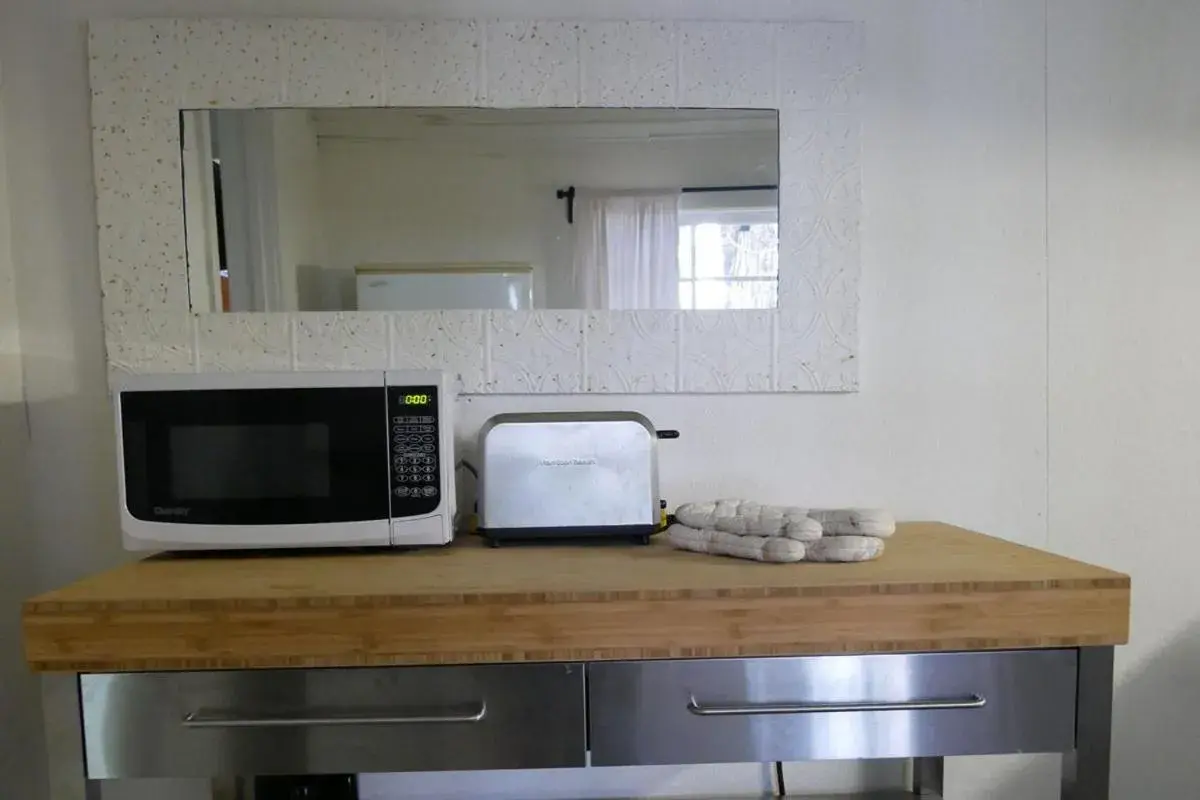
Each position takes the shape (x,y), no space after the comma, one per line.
(936,588)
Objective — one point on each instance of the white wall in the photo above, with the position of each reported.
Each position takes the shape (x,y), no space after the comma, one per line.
(385,203)
(1125,367)
(977,354)
(19,731)
(10,332)
(388,201)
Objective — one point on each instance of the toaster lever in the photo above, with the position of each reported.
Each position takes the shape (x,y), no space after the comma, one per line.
(667,434)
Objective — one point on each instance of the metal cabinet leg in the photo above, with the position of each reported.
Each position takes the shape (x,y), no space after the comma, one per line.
(64,739)
(928,776)
(1085,770)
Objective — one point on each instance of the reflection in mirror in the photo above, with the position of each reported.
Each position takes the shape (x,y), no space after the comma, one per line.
(413,208)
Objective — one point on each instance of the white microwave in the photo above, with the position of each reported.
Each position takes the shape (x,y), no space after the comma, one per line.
(274,460)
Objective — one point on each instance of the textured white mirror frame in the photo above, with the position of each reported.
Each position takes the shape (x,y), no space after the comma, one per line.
(144,71)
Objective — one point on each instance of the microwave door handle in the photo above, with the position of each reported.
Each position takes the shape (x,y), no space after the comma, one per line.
(220,718)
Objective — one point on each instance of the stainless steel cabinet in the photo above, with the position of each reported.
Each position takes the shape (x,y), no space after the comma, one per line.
(831,707)
(310,721)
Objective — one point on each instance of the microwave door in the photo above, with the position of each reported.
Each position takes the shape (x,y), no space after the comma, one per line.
(256,467)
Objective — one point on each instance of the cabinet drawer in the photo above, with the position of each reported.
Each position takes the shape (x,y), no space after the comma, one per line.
(831,707)
(265,722)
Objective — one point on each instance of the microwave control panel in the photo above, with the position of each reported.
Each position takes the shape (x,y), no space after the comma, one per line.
(414,431)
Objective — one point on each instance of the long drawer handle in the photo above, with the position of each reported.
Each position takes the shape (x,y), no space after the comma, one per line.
(209,718)
(754,709)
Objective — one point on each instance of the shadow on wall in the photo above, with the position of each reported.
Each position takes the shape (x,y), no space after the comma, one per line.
(1156,729)
(1156,721)
(20,731)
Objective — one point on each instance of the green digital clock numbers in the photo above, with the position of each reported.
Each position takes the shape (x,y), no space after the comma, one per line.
(416,399)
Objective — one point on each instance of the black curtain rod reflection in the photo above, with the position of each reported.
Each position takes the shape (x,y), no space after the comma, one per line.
(762,187)
(570,193)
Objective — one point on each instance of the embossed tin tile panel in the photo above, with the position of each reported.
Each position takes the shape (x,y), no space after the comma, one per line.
(244,342)
(332,63)
(343,340)
(728,65)
(432,62)
(632,352)
(452,341)
(819,66)
(230,63)
(141,237)
(150,341)
(538,352)
(629,64)
(531,63)
(144,71)
(133,67)
(727,351)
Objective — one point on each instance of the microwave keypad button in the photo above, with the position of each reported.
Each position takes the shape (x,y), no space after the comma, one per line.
(416,468)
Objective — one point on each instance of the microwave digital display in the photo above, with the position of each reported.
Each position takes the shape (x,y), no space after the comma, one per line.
(417,399)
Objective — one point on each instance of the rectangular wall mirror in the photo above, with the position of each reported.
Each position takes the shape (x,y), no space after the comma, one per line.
(465,208)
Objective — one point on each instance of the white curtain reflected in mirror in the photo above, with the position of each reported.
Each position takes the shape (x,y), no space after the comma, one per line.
(626,251)
(452,208)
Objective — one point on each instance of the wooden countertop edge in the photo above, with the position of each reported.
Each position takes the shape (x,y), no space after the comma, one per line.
(1001,596)
(632,630)
(36,606)
(574,655)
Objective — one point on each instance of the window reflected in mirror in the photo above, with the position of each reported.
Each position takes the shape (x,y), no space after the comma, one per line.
(418,209)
